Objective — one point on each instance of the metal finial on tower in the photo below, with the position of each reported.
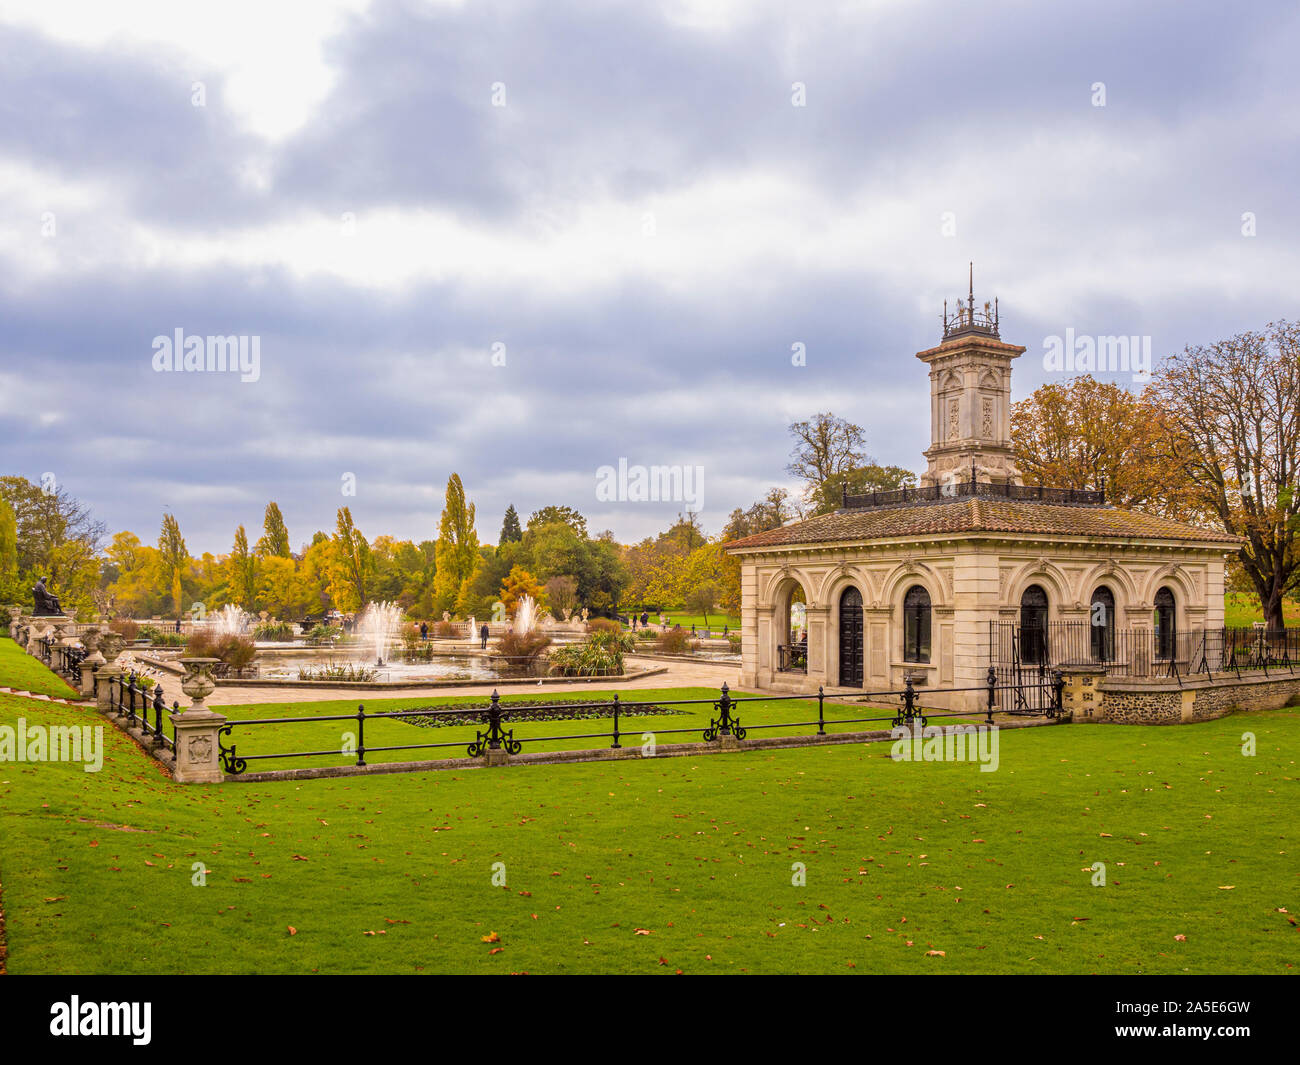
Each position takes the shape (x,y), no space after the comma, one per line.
(967,319)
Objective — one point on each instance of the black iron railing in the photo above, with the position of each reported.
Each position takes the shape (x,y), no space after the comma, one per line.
(497,721)
(1017,651)
(951,493)
(132,700)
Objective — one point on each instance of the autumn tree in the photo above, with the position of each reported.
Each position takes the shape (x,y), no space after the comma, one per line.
(9,584)
(562,515)
(457,551)
(173,558)
(1091,435)
(275,534)
(519,583)
(1234,411)
(562,594)
(242,571)
(56,537)
(351,564)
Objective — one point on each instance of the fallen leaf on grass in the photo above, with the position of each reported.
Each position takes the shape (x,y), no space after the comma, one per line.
(293,931)
(57,898)
(936,954)
(641,932)
(491,937)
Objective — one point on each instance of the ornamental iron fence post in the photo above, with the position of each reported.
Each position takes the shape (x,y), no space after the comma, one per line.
(616,745)
(992,681)
(724,727)
(158,707)
(361,734)
(821,711)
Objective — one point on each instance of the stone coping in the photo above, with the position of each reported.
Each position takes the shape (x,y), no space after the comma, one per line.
(609,754)
(653,657)
(1193,682)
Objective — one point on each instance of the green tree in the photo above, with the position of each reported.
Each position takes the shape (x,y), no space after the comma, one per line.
(829,496)
(275,534)
(510,531)
(564,515)
(770,512)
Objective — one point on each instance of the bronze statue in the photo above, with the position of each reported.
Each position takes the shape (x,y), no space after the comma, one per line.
(46,604)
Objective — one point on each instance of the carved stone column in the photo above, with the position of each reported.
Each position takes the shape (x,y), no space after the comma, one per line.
(110,646)
(197,728)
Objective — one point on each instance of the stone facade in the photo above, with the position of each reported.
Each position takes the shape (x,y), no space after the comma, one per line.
(970,585)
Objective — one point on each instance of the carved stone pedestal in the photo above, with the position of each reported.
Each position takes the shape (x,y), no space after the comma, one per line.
(197,729)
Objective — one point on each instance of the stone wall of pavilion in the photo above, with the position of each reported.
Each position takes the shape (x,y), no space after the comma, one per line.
(972,582)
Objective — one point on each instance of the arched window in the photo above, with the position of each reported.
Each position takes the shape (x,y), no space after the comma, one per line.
(1101,619)
(916,625)
(1164,624)
(1033,625)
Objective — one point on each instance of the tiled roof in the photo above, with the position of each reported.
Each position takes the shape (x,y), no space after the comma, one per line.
(980,515)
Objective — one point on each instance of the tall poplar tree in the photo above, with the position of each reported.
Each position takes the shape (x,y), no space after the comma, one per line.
(457,551)
(275,534)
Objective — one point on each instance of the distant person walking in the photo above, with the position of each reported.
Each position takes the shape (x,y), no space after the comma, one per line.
(483,636)
(424,630)
(645,619)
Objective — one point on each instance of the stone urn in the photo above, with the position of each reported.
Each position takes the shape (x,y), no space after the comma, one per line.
(197,682)
(110,645)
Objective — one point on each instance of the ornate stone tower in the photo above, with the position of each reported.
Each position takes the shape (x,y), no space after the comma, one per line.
(970,398)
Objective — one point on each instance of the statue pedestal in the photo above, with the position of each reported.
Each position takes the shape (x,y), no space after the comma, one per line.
(197,747)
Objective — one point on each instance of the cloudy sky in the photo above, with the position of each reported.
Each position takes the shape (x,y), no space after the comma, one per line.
(522,241)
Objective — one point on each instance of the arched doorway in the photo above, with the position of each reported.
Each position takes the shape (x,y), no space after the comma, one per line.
(792,631)
(1033,626)
(851,638)
(1164,625)
(1101,624)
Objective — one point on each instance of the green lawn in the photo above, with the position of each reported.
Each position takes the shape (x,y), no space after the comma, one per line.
(1242,609)
(685,620)
(20,670)
(992,869)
